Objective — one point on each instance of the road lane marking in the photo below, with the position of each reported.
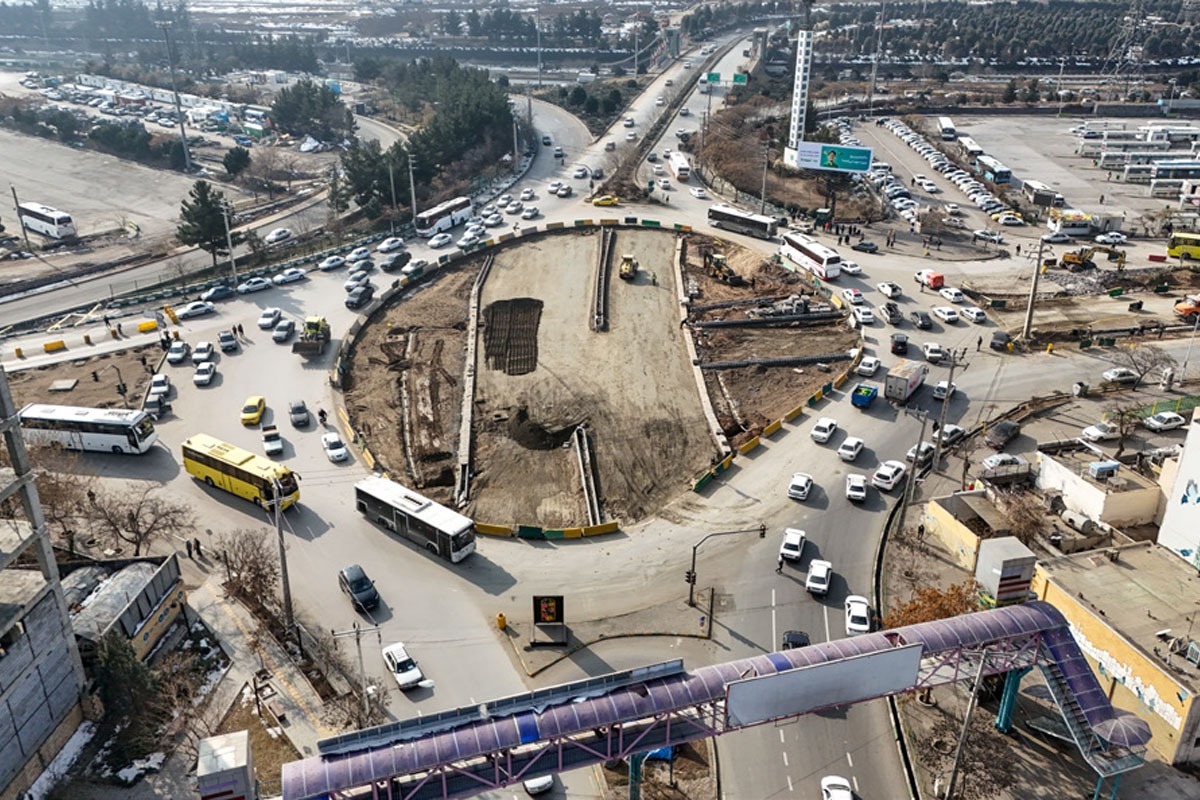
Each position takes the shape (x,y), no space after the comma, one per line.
(825,614)
(790,787)
(850,759)
(785,760)
(781,739)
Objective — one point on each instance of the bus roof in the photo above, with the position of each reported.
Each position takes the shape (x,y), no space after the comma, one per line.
(79,413)
(411,502)
(236,456)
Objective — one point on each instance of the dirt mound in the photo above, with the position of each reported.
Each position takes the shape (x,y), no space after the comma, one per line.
(533,436)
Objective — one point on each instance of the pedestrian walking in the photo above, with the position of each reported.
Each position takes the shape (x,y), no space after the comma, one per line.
(1101,199)
(119,332)
(144,365)
(196,544)
(978,344)
(107,321)
(241,331)
(654,279)
(189,548)
(939,243)
(921,531)
(779,565)
(1018,249)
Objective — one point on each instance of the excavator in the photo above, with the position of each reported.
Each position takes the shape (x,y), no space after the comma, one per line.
(1081,259)
(717,267)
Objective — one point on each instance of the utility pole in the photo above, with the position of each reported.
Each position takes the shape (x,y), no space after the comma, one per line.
(910,487)
(1062,65)
(962,737)
(762,203)
(165,25)
(955,359)
(357,631)
(25,233)
(412,186)
(636,31)
(1188,356)
(538,30)
(229,242)
(1027,328)
(288,621)
(392,183)
(516,149)
(875,61)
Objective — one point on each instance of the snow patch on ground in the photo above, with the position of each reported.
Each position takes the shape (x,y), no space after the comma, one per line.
(62,762)
(140,766)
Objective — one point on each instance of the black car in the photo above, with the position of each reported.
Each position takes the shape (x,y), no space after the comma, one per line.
(353,581)
(1000,340)
(361,296)
(298,413)
(899,343)
(218,293)
(891,312)
(1001,433)
(794,639)
(395,261)
(921,320)
(546,141)
(653,157)
(865,246)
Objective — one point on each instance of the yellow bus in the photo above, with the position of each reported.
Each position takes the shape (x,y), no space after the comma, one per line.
(238,471)
(1186,245)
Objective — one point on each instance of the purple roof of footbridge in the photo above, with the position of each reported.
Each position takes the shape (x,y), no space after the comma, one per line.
(376,755)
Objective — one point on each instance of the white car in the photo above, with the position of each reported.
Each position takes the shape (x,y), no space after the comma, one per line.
(864,315)
(952,209)
(698,191)
(1112,237)
(933,352)
(853,296)
(1122,375)
(402,667)
(178,352)
(356,280)
(889,475)
(868,366)
(858,615)
(554,186)
(389,244)
(1057,237)
(1100,431)
(359,254)
(949,434)
(1164,421)
(973,313)
(800,485)
(289,275)
(820,573)
(160,386)
(792,546)
(851,267)
(1011,220)
(530,212)
(527,194)
(197,309)
(539,785)
(467,240)
(944,390)
(495,220)
(331,263)
(889,289)
(659,169)
(849,449)
(824,429)
(989,236)
(952,294)
(254,285)
(203,352)
(856,487)
(834,787)
(515,207)
(580,172)
(441,240)
(1002,460)
(204,373)
(278,235)
(268,318)
(945,314)
(335,449)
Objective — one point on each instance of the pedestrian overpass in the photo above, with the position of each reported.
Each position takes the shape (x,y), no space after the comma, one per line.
(470,750)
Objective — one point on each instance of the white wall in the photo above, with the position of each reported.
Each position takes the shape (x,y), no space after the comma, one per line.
(1180,529)
(1135,505)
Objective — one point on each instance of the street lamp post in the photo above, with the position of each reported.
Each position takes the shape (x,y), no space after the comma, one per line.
(392,183)
(761,530)
(187,156)
(1188,355)
(229,243)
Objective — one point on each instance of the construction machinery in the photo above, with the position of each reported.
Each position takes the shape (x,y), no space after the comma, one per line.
(313,337)
(628,269)
(1081,259)
(717,267)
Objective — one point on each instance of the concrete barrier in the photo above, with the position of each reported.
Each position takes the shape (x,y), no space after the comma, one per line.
(370,459)
(702,481)
(611,526)
(840,379)
(774,426)
(53,347)
(530,532)
(572,533)
(147,326)
(553,226)
(795,412)
(609,222)
(493,530)
(746,447)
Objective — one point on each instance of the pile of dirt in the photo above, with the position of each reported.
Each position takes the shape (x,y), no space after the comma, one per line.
(135,366)
(689,778)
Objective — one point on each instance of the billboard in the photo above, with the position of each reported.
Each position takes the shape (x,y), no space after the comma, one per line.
(1180,529)
(835,157)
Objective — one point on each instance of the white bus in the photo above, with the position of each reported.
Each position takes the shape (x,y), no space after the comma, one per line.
(680,166)
(946,129)
(445,216)
(970,148)
(733,219)
(46,220)
(809,254)
(100,430)
(438,529)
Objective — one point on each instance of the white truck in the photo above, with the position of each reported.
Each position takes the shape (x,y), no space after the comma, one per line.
(272,440)
(904,379)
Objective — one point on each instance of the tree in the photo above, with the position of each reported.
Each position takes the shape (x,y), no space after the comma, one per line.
(307,108)
(452,23)
(933,603)
(236,161)
(124,683)
(1010,92)
(338,200)
(1125,416)
(1143,359)
(138,517)
(202,220)
(62,490)
(346,712)
(252,562)
(367,69)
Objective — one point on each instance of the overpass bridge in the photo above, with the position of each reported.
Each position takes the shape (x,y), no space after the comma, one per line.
(470,750)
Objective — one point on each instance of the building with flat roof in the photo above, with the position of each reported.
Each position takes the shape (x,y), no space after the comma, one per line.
(1132,610)
(41,675)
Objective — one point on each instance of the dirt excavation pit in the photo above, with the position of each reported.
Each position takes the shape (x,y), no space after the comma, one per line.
(544,374)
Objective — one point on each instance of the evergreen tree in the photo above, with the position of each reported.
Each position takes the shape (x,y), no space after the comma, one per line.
(202,220)
(1010,92)
(236,161)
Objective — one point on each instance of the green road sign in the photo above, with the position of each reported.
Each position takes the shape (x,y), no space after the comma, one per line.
(740,77)
(713,77)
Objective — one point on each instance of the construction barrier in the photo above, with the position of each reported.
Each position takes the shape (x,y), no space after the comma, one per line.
(20,353)
(147,326)
(651,223)
(370,459)
(493,530)
(53,347)
(530,532)
(87,338)
(609,222)
(604,527)
(553,226)
(746,447)
(582,223)
(816,398)
(572,533)
(840,379)
(702,481)
(774,426)
(553,534)
(795,412)
(682,228)
(724,464)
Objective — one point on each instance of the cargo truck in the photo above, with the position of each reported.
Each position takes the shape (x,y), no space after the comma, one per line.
(904,379)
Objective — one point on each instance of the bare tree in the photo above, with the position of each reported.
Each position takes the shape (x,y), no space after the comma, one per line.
(252,562)
(1026,514)
(347,712)
(1125,416)
(986,766)
(1143,359)
(966,450)
(934,603)
(138,517)
(62,489)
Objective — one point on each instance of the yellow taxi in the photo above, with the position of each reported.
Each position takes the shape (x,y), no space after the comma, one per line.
(606,200)
(253,408)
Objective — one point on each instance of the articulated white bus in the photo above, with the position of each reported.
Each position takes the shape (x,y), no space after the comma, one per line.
(809,254)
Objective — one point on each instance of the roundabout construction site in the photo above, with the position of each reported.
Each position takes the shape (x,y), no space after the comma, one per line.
(591,399)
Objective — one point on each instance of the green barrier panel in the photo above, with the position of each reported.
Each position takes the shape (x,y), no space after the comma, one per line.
(1162,288)
(999,304)
(651,223)
(1117,292)
(1085,342)
(827,388)
(1107,341)
(702,481)
(554,534)
(529,532)
(579,223)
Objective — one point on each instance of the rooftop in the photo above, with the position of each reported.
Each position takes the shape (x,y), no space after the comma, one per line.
(18,588)
(977,512)
(1145,591)
(1127,478)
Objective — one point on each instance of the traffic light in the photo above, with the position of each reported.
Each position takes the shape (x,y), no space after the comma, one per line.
(95,376)
(690,577)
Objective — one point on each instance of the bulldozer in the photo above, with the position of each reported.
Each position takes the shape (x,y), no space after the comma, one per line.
(1081,259)
(312,338)
(717,267)
(629,268)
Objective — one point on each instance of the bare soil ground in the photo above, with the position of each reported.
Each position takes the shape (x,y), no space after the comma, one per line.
(692,774)
(749,398)
(33,385)
(416,347)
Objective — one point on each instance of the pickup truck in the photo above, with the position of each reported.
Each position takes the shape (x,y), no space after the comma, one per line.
(863,395)
(272,440)
(891,313)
